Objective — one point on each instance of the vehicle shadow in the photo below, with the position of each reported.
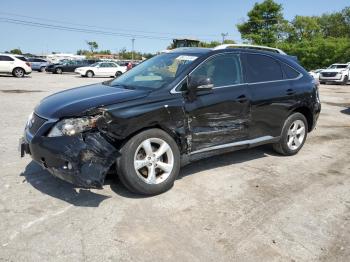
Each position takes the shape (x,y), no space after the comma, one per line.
(43,181)
(346,111)
(9,75)
(46,183)
(208,164)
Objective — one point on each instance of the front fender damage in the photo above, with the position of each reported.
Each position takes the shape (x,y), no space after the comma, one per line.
(88,158)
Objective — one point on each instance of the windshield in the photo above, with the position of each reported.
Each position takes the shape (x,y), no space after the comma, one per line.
(156,72)
(338,66)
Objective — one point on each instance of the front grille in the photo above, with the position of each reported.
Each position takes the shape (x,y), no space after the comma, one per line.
(329,74)
(35,123)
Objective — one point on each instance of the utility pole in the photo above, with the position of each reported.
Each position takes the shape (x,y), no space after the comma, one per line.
(223,36)
(133,45)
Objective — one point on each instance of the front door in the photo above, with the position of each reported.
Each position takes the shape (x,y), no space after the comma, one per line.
(221,116)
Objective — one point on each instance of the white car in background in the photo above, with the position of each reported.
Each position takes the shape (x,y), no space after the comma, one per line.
(316,73)
(101,69)
(336,73)
(16,65)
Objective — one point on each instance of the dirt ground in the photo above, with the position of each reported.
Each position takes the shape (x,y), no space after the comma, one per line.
(252,205)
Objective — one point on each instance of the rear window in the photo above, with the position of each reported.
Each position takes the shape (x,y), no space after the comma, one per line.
(21,58)
(262,68)
(5,58)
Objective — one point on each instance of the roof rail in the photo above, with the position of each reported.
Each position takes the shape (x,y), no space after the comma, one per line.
(257,47)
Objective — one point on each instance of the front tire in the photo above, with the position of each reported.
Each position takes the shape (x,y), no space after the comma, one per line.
(149,162)
(90,74)
(345,81)
(293,136)
(18,72)
(58,71)
(117,74)
(43,69)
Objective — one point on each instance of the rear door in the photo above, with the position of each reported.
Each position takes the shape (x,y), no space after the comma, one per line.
(221,116)
(273,93)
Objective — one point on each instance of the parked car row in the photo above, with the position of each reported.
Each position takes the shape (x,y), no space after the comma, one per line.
(335,73)
(19,66)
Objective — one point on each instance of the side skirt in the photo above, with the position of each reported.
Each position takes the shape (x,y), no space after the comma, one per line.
(226,148)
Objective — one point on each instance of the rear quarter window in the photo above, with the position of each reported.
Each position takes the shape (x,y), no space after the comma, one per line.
(290,72)
(262,68)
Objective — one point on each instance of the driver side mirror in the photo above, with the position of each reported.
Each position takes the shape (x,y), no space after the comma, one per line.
(197,84)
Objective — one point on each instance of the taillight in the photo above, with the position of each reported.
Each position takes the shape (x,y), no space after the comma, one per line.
(28,64)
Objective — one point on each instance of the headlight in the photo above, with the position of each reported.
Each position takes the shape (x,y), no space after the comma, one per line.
(73,126)
(30,117)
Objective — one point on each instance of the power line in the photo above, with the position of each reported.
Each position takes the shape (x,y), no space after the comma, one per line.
(75,29)
(105,28)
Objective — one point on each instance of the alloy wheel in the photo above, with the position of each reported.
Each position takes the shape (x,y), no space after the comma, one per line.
(296,134)
(153,160)
(19,72)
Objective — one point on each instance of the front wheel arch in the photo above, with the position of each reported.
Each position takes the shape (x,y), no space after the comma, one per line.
(173,134)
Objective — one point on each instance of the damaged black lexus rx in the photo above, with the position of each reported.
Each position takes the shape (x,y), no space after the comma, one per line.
(170,110)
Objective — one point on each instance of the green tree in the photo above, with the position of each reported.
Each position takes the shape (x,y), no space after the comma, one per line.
(92,45)
(304,28)
(16,51)
(209,44)
(82,52)
(336,24)
(318,52)
(264,25)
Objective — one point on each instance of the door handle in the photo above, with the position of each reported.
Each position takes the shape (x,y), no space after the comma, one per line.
(242,99)
(290,92)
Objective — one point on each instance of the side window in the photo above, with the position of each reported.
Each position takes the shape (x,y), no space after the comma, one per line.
(262,68)
(289,72)
(5,58)
(223,70)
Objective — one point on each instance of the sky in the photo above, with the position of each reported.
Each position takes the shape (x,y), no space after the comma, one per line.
(153,23)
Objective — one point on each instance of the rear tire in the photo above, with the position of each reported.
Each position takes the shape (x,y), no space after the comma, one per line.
(117,74)
(90,74)
(293,135)
(149,162)
(18,72)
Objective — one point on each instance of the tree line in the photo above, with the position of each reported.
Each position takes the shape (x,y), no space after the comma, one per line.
(317,41)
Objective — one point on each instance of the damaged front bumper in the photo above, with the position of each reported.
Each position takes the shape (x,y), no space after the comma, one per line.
(82,160)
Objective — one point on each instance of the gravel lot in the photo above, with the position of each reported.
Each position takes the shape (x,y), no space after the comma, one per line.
(251,205)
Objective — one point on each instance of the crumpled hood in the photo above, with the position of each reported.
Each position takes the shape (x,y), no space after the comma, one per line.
(73,102)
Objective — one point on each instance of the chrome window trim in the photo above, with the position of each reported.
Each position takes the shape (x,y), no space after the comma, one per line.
(174,91)
(239,143)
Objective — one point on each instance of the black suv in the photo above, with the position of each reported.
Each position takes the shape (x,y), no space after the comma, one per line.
(170,110)
(68,66)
